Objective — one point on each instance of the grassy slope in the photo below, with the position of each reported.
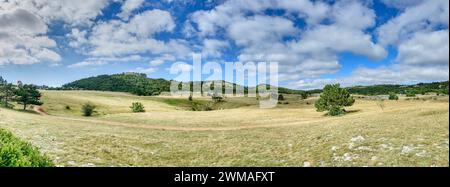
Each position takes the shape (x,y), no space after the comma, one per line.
(404,133)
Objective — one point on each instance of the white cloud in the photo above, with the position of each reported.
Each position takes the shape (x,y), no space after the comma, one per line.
(69,11)
(402,4)
(425,49)
(128,7)
(116,38)
(213,47)
(23,40)
(161,60)
(311,50)
(88,63)
(145,70)
(423,17)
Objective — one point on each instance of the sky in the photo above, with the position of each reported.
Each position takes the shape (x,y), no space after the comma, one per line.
(365,42)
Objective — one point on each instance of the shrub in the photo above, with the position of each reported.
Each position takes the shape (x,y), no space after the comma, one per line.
(334,99)
(216,98)
(17,153)
(393,96)
(304,95)
(88,109)
(202,107)
(137,107)
(281,97)
(410,94)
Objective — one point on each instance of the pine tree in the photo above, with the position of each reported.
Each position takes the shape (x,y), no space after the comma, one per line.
(27,95)
(334,99)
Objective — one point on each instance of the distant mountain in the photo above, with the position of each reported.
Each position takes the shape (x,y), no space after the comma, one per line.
(140,84)
(135,83)
(421,88)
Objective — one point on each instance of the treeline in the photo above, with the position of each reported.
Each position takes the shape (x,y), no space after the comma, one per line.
(139,84)
(135,83)
(24,94)
(421,88)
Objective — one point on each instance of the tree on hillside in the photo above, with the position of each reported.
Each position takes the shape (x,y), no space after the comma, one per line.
(88,109)
(304,95)
(393,96)
(333,99)
(27,95)
(6,92)
(2,87)
(137,107)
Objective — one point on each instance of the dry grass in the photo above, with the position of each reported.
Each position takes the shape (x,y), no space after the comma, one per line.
(402,133)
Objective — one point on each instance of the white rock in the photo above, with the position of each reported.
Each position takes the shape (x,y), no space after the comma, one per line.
(306,164)
(357,139)
(407,149)
(334,148)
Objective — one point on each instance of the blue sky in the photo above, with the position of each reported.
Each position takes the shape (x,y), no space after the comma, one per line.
(315,42)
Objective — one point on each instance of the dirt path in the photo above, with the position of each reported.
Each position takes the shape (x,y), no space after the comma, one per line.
(39,110)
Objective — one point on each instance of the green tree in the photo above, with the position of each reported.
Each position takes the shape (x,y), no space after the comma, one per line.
(393,96)
(333,99)
(217,98)
(304,95)
(88,109)
(137,107)
(6,92)
(27,95)
(2,88)
(410,94)
(281,97)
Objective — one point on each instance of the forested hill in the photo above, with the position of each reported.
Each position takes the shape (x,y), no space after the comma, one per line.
(135,83)
(139,84)
(421,88)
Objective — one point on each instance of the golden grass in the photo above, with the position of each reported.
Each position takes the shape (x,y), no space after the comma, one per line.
(402,133)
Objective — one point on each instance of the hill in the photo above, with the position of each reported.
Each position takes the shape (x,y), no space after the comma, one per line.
(135,83)
(140,84)
(421,88)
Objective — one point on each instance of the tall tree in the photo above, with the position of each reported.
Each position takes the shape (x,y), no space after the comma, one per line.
(334,99)
(27,95)
(2,87)
(6,91)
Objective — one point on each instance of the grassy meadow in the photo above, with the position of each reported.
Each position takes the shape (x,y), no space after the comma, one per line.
(413,132)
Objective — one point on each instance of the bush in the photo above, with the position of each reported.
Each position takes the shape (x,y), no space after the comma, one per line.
(304,95)
(88,109)
(334,99)
(335,111)
(137,107)
(202,107)
(393,96)
(410,94)
(17,153)
(281,97)
(216,98)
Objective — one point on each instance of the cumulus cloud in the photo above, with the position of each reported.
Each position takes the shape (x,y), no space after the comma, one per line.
(425,49)
(69,11)
(23,40)
(88,63)
(145,70)
(128,7)
(117,38)
(308,51)
(425,16)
